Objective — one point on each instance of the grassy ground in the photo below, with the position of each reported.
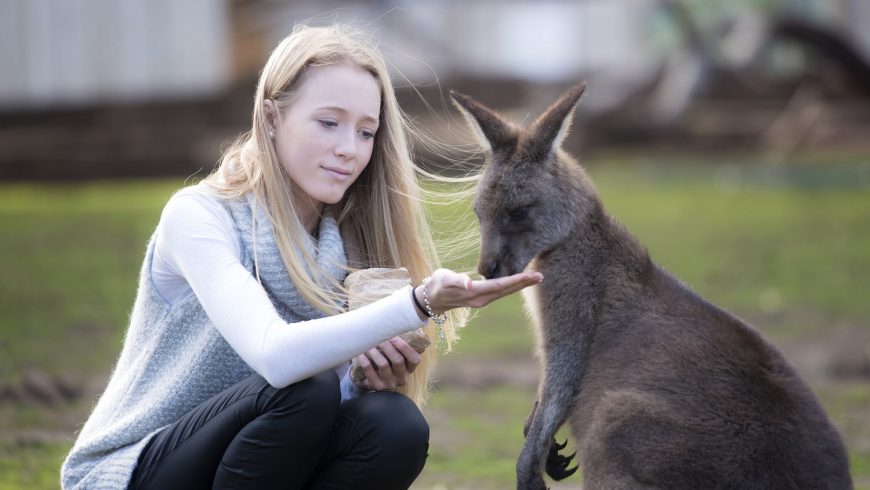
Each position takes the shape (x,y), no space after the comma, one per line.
(786,247)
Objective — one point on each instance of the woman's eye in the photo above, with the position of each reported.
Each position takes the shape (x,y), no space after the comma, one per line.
(366,134)
(328,124)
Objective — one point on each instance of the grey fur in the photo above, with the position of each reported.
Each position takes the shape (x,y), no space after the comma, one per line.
(661,388)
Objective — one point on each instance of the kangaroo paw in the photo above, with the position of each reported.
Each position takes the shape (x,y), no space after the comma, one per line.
(557,465)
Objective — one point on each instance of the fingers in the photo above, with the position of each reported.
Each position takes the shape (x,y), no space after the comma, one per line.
(411,357)
(463,281)
(486,298)
(372,380)
(383,378)
(508,283)
(448,289)
(480,293)
(388,365)
(397,371)
(447,279)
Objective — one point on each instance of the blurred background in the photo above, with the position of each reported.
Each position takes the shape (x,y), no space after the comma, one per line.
(730,136)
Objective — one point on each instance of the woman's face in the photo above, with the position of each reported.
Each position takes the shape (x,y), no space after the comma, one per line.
(325,137)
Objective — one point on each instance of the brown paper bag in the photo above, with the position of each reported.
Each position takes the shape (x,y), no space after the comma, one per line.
(369,285)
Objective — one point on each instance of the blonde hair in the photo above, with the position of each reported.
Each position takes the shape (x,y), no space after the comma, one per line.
(381,217)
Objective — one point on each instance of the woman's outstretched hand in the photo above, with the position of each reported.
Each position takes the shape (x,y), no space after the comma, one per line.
(388,366)
(448,289)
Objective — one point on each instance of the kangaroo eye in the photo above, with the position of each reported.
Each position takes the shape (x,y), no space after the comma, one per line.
(519,213)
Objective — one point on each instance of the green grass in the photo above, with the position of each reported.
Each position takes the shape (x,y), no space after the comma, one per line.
(787,247)
(484,438)
(483,430)
(31,466)
(70,255)
(748,240)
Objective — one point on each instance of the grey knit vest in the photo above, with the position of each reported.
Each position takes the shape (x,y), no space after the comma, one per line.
(173,358)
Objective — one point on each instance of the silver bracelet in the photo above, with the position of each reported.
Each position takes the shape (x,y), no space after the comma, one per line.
(440,318)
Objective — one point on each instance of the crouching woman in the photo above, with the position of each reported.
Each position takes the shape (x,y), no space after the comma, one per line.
(234,368)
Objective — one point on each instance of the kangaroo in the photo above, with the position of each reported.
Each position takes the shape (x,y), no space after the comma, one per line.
(661,389)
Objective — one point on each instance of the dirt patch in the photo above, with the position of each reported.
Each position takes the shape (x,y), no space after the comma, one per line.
(477,373)
(38,387)
(840,354)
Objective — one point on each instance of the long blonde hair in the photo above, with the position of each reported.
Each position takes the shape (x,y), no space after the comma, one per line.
(381,217)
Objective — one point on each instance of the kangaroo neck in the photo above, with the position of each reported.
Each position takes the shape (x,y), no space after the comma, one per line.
(573,270)
(598,259)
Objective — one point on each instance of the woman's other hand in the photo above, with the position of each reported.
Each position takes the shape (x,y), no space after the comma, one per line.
(388,365)
(447,289)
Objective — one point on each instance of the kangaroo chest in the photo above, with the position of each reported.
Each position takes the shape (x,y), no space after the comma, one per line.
(561,309)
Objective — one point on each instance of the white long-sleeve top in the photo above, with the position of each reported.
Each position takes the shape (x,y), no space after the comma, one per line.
(198,251)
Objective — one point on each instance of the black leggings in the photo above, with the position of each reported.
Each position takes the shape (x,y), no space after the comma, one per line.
(255,436)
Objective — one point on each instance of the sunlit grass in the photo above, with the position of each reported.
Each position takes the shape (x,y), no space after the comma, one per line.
(69,256)
(31,467)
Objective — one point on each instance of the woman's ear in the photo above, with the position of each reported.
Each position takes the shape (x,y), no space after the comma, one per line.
(271,112)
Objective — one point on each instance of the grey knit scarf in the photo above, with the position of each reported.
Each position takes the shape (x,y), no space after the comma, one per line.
(259,240)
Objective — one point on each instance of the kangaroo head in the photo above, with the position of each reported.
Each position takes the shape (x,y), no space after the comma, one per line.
(531,194)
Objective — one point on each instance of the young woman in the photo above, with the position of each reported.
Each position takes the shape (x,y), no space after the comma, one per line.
(234,369)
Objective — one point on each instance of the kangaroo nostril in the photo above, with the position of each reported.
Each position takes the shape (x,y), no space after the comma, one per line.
(487,268)
(491,269)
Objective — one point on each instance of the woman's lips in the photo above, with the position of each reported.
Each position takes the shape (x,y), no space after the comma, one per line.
(337,174)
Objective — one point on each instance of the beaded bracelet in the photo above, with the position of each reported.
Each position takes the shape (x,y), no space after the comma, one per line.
(440,318)
(419,306)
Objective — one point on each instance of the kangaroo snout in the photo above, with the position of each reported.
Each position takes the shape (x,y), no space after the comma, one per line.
(489,267)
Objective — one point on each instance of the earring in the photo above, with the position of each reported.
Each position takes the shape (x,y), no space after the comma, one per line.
(272,134)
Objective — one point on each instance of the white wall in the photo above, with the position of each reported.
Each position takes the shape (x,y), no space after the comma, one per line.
(539,40)
(78,52)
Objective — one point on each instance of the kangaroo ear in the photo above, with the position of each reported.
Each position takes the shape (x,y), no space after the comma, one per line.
(493,131)
(552,126)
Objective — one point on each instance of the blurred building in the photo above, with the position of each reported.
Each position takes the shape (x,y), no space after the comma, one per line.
(139,87)
(80,52)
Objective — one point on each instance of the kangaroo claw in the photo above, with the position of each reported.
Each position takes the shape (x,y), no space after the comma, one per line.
(557,465)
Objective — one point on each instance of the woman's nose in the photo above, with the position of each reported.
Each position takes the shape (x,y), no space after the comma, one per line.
(345,147)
